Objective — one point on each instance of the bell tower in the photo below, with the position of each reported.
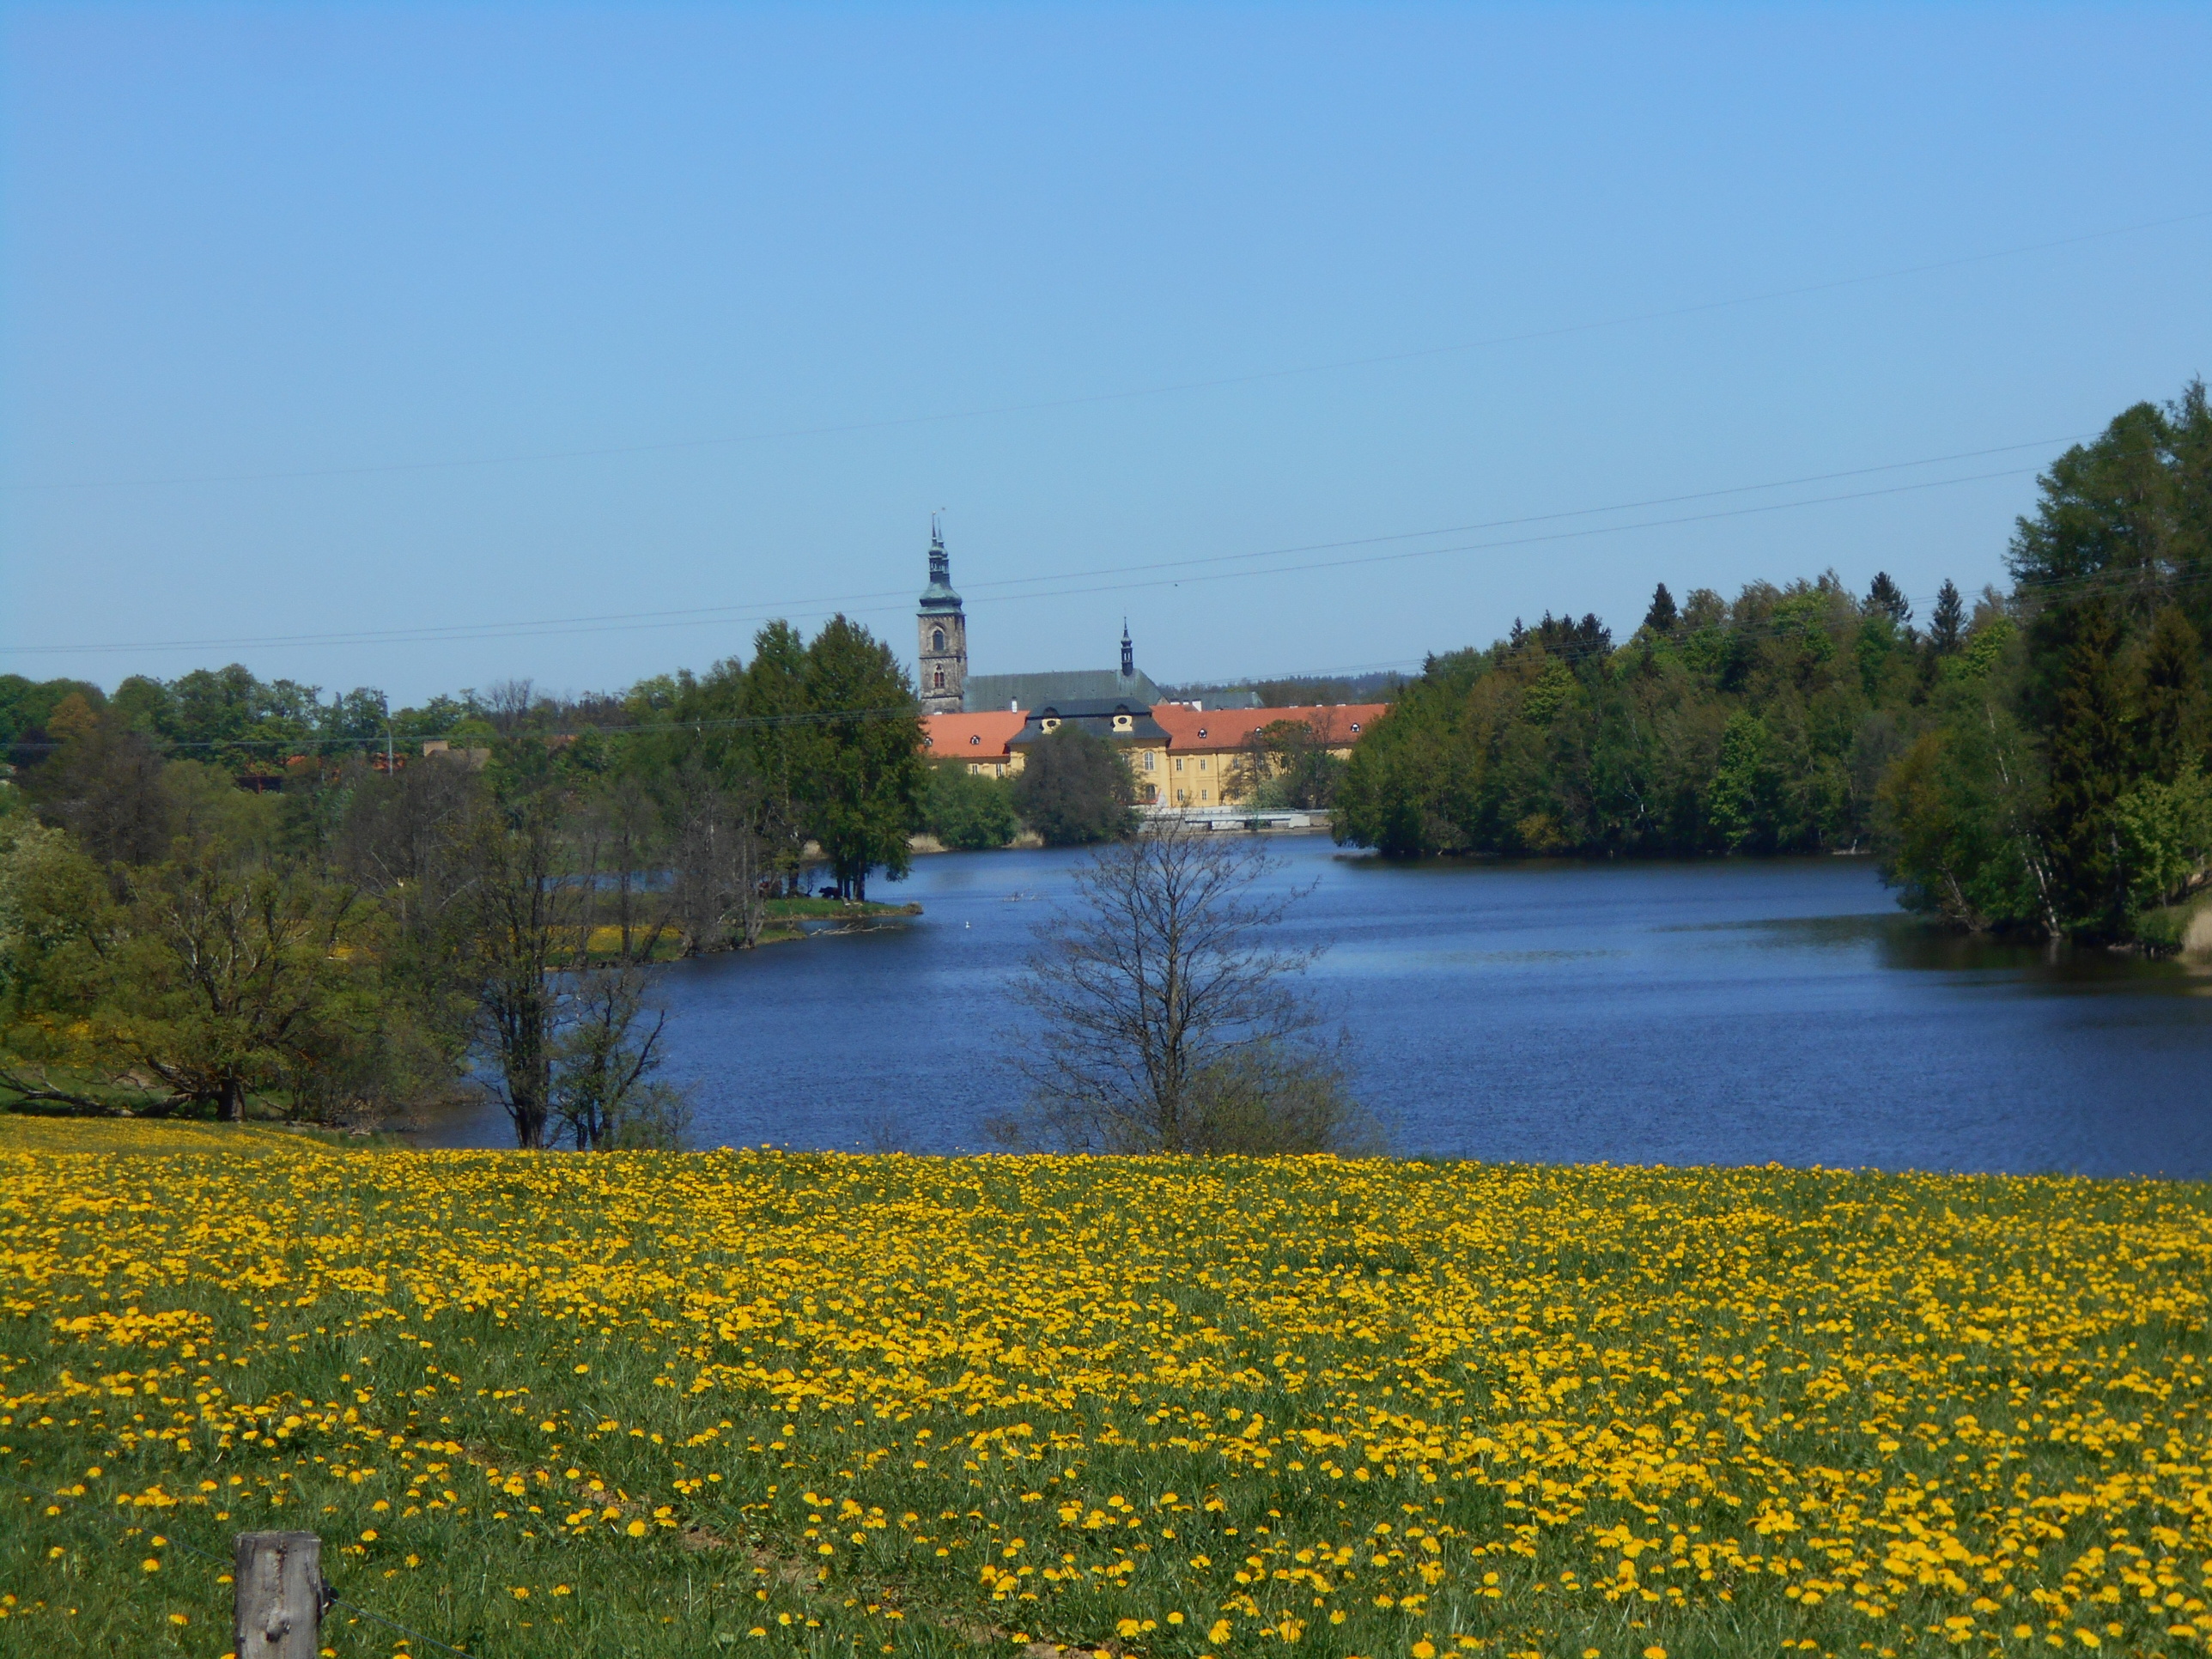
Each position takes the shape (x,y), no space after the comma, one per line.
(942,631)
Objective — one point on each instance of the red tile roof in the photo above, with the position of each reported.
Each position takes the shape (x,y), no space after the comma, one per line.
(969,737)
(1339,724)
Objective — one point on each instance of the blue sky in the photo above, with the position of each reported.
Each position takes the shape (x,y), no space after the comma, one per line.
(394,331)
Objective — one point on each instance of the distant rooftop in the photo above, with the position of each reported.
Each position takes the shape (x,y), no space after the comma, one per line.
(997,691)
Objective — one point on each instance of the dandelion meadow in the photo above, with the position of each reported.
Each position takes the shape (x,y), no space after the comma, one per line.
(661,1404)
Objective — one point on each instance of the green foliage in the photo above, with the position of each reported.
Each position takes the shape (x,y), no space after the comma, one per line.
(2162,835)
(1272,1096)
(1074,789)
(1738,804)
(26,705)
(1958,811)
(2088,748)
(968,811)
(2037,767)
(865,788)
(2061,789)
(1731,728)
(225,902)
(1288,763)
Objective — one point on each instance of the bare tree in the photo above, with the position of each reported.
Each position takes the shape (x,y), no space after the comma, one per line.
(618,851)
(603,1091)
(519,921)
(717,860)
(509,703)
(1166,1021)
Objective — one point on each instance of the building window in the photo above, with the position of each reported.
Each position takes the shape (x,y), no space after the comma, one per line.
(1149,757)
(1201,763)
(939,682)
(937,639)
(1049,725)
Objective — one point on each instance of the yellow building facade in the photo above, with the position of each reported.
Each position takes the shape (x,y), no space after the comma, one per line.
(1177,755)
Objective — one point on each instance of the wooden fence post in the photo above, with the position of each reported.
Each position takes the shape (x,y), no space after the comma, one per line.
(277,1595)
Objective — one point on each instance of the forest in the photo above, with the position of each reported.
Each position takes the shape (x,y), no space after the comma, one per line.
(218,893)
(2034,763)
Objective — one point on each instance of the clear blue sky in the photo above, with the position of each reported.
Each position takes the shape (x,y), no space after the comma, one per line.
(356,319)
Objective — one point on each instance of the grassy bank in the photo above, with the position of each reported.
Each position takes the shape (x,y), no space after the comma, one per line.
(782,919)
(662,1404)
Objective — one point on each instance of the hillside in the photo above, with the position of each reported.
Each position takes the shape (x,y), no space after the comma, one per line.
(657,1404)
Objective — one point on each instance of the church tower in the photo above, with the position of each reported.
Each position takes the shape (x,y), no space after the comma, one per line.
(943,632)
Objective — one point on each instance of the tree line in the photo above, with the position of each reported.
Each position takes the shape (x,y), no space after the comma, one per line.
(2036,763)
(214,892)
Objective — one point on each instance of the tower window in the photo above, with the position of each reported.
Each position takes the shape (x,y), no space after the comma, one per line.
(939,684)
(937,639)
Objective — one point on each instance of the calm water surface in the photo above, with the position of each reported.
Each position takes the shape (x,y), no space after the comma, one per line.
(1671,1014)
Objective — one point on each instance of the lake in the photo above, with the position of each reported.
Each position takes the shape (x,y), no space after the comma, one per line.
(1716,1012)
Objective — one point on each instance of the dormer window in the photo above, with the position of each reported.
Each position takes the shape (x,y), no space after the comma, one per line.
(1201,731)
(975,739)
(1124,723)
(1050,724)
(1355,728)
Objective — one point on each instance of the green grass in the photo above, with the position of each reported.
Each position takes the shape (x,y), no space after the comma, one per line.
(844,1401)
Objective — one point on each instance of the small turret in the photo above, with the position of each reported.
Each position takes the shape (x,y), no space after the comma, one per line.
(1128,652)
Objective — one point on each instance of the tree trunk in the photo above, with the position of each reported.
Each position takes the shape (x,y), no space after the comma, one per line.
(230,1105)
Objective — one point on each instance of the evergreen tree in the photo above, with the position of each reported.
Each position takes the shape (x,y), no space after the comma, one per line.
(1885,598)
(2171,733)
(2088,748)
(1944,624)
(1660,617)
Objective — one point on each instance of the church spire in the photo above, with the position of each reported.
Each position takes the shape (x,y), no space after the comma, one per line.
(1128,652)
(943,629)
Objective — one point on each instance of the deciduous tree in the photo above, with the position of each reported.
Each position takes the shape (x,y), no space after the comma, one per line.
(1163,1016)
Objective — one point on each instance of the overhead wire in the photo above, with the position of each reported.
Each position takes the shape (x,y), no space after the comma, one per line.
(1726,630)
(1170,388)
(1195,568)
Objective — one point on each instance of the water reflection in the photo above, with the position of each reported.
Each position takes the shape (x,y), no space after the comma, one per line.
(1714,1012)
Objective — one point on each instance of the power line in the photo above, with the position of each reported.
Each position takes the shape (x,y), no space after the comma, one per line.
(691,616)
(2059,587)
(1170,388)
(379,739)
